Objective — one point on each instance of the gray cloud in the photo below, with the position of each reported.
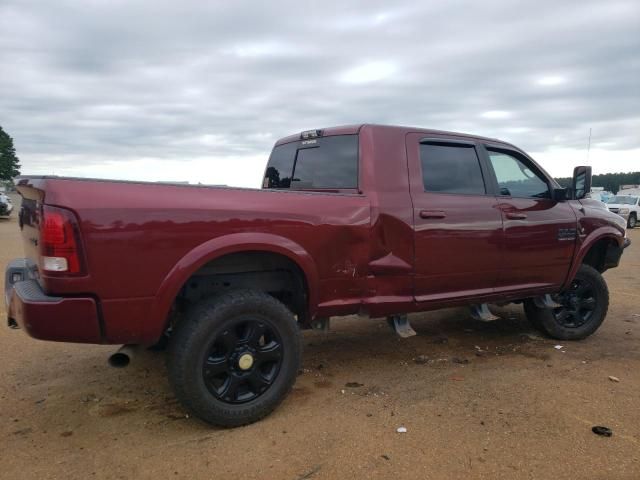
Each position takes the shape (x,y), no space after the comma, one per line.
(114,81)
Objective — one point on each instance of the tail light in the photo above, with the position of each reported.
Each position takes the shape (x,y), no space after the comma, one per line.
(59,241)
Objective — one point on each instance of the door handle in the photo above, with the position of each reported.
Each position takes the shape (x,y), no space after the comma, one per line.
(516,215)
(432,214)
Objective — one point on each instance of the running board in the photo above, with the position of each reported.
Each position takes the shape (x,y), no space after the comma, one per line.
(545,301)
(481,312)
(401,325)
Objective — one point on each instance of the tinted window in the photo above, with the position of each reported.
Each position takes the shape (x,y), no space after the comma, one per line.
(451,169)
(333,164)
(280,166)
(515,178)
(323,163)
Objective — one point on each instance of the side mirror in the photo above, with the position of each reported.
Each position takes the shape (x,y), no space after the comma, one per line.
(560,194)
(581,184)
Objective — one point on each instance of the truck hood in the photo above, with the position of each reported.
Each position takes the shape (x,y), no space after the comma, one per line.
(598,210)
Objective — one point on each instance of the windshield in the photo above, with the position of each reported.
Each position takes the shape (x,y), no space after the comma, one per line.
(623,200)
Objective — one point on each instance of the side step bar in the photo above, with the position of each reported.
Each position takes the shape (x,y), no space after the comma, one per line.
(322,323)
(401,325)
(546,301)
(481,312)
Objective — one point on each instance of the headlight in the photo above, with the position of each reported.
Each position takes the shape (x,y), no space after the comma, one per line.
(623,211)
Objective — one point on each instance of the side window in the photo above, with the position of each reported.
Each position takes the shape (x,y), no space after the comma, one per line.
(451,169)
(515,178)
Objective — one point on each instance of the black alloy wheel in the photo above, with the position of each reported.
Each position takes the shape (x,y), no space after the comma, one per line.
(584,307)
(242,361)
(578,304)
(233,358)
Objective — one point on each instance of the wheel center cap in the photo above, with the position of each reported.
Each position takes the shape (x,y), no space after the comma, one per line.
(245,362)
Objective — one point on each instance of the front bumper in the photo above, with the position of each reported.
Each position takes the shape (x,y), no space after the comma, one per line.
(6,211)
(613,254)
(62,319)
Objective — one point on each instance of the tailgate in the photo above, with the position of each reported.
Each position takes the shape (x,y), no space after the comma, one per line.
(29,218)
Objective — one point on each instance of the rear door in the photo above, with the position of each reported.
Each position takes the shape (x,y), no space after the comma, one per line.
(457,223)
(539,233)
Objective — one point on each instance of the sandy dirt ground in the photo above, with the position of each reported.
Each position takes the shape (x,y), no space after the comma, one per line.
(478,401)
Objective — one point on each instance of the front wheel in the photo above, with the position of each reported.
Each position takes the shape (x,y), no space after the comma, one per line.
(584,308)
(234,357)
(633,220)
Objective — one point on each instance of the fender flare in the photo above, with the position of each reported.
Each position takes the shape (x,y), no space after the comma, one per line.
(605,232)
(224,245)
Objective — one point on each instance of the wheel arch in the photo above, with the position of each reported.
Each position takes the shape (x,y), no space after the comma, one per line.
(218,248)
(592,251)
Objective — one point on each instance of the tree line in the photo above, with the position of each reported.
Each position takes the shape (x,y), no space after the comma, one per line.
(610,181)
(9,163)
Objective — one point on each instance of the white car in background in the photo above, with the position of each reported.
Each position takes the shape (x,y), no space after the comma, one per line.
(600,194)
(5,206)
(627,206)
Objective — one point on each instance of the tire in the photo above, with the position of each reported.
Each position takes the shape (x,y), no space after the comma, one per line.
(234,358)
(633,220)
(585,302)
(161,345)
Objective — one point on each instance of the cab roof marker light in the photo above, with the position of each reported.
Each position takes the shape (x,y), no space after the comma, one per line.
(307,134)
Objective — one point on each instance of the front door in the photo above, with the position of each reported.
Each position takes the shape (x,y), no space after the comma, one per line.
(457,222)
(539,232)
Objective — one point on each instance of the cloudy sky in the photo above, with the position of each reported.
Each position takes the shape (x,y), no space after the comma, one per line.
(200,91)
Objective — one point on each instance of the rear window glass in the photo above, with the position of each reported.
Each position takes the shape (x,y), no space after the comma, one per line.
(280,166)
(322,163)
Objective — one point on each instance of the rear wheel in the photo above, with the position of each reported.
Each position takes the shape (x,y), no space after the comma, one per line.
(234,358)
(633,220)
(584,308)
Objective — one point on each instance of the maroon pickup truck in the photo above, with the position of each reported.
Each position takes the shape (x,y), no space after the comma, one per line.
(366,219)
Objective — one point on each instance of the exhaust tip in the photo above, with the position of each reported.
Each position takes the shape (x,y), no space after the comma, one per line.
(123,356)
(119,360)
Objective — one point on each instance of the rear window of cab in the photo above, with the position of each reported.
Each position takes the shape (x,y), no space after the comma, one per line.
(323,163)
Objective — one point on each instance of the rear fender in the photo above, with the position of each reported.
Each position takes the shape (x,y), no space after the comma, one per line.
(218,247)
